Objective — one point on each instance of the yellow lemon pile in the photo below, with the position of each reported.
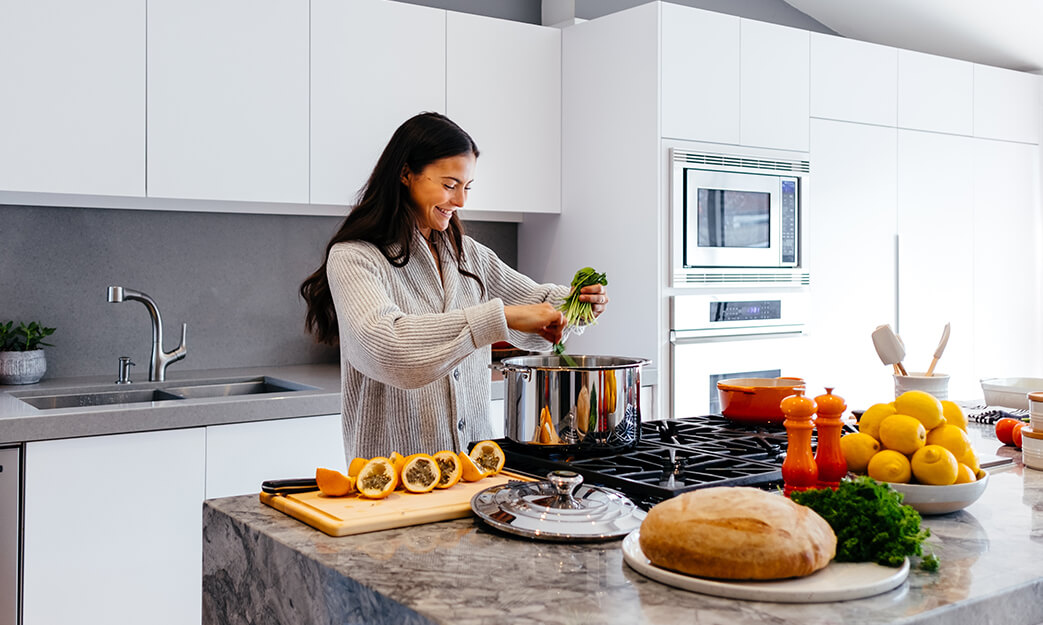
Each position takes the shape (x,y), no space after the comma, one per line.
(916,438)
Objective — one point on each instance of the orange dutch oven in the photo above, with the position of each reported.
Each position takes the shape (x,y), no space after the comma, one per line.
(756,400)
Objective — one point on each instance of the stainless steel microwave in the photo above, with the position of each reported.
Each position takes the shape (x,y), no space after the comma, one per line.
(737,219)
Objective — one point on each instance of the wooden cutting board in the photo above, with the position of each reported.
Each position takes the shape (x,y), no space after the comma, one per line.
(344,516)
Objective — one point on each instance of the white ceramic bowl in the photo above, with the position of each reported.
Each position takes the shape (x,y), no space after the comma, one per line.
(929,500)
(1010,392)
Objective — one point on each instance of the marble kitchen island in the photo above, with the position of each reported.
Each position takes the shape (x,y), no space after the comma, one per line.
(261,566)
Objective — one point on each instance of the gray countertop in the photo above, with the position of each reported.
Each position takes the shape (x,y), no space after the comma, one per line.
(21,422)
(258,561)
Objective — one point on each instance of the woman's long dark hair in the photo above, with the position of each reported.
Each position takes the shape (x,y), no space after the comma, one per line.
(385,216)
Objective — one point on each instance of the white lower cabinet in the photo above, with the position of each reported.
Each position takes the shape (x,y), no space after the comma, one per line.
(113,529)
(113,524)
(497,415)
(239,456)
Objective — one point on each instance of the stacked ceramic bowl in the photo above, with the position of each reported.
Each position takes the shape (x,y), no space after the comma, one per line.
(1032,436)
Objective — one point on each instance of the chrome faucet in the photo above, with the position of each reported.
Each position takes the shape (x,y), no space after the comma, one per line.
(157,371)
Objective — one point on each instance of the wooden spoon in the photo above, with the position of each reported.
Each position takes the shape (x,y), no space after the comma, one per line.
(939,350)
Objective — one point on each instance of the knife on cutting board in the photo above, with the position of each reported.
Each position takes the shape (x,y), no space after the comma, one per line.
(289,486)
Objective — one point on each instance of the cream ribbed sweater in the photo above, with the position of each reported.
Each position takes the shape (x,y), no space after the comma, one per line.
(415,350)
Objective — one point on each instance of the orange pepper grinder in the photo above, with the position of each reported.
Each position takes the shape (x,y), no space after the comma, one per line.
(829,457)
(799,471)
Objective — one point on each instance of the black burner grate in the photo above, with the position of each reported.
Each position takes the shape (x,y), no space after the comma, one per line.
(673,456)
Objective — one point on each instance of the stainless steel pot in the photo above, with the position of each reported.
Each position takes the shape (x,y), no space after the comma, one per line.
(589,406)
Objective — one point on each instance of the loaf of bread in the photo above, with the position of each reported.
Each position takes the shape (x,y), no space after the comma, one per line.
(736,533)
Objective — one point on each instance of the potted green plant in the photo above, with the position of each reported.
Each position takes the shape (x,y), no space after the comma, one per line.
(22,359)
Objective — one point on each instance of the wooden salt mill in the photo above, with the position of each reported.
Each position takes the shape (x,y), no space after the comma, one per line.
(799,471)
(829,457)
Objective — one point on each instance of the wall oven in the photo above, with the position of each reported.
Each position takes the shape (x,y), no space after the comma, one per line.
(733,334)
(737,218)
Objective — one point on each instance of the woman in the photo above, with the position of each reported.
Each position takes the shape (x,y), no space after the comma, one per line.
(415,304)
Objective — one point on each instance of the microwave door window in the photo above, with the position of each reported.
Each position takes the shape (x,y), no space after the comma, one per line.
(733,219)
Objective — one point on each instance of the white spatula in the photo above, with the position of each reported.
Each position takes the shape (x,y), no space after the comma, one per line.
(939,350)
(889,347)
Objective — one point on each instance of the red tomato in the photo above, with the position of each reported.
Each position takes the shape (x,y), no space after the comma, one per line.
(1004,430)
(1016,433)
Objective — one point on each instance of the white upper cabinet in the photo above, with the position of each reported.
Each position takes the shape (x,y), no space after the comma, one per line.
(700,75)
(773,77)
(1006,104)
(936,235)
(852,223)
(1008,301)
(503,86)
(853,80)
(228,100)
(935,93)
(72,113)
(374,65)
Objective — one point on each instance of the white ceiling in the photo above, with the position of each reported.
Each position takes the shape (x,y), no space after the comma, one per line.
(1004,33)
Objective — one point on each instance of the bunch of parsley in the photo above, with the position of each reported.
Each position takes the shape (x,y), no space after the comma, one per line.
(870,521)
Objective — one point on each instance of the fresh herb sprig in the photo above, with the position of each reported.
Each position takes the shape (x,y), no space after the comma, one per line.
(870,521)
(579,313)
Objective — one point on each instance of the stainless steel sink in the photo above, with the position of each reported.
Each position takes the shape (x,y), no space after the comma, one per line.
(79,400)
(230,389)
(160,392)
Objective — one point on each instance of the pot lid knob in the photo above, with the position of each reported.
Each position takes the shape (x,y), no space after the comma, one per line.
(566,483)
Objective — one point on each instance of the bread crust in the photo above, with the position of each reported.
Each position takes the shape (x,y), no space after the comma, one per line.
(736,533)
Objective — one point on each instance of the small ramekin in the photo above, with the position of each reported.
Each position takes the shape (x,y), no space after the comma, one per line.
(1032,447)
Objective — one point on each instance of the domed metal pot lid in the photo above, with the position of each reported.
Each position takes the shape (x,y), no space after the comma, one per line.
(561,508)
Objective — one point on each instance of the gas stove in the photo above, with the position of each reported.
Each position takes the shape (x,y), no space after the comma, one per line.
(672,457)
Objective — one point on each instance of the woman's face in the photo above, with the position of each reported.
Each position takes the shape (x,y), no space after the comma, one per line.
(439,189)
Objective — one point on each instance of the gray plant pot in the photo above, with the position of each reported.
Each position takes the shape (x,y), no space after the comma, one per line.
(22,367)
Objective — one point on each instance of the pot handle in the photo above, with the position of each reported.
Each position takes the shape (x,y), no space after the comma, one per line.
(502,368)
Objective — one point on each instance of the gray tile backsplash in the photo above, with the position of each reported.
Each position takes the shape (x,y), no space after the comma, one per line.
(232,278)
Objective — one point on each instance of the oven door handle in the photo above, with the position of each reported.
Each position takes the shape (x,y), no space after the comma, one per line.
(688,337)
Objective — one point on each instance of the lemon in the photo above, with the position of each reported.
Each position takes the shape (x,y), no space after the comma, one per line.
(935,465)
(964,475)
(922,406)
(902,433)
(858,448)
(954,415)
(889,465)
(971,460)
(950,437)
(869,422)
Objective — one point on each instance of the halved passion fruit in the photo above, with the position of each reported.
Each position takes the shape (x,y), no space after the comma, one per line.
(333,483)
(471,471)
(356,465)
(420,473)
(489,456)
(450,467)
(377,479)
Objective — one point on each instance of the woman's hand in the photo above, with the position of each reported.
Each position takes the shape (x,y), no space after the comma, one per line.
(542,319)
(597,296)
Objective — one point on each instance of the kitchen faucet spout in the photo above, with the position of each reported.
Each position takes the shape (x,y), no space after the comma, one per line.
(160,359)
